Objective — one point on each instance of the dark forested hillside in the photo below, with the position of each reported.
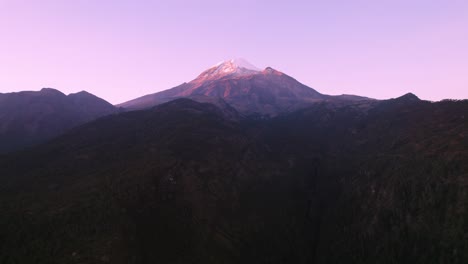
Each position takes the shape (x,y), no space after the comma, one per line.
(188,182)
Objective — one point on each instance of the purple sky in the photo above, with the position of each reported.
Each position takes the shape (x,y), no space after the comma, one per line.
(120,50)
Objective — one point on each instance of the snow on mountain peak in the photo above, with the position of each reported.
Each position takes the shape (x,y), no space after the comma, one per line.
(244,64)
(233,67)
(233,64)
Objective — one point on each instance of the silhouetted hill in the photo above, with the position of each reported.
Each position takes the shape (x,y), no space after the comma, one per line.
(184,182)
(28,118)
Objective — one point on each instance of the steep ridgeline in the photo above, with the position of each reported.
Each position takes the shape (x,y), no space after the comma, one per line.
(251,91)
(189,182)
(28,118)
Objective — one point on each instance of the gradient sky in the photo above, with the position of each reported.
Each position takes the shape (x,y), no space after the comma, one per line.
(120,50)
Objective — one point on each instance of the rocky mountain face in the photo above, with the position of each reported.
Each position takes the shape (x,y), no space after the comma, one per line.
(251,91)
(28,118)
(190,182)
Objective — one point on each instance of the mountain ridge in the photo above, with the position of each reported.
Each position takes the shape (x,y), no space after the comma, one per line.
(31,117)
(267,92)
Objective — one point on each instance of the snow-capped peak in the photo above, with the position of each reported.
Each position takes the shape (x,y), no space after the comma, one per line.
(244,64)
(234,67)
(233,64)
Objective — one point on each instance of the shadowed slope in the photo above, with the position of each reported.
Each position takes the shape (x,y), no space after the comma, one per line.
(28,118)
(378,182)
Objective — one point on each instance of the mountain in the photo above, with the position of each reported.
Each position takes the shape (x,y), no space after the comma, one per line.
(190,182)
(30,117)
(251,91)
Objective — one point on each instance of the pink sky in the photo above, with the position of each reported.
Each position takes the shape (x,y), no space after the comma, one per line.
(120,50)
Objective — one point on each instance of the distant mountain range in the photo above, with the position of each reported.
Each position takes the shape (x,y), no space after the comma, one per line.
(28,118)
(251,91)
(239,165)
